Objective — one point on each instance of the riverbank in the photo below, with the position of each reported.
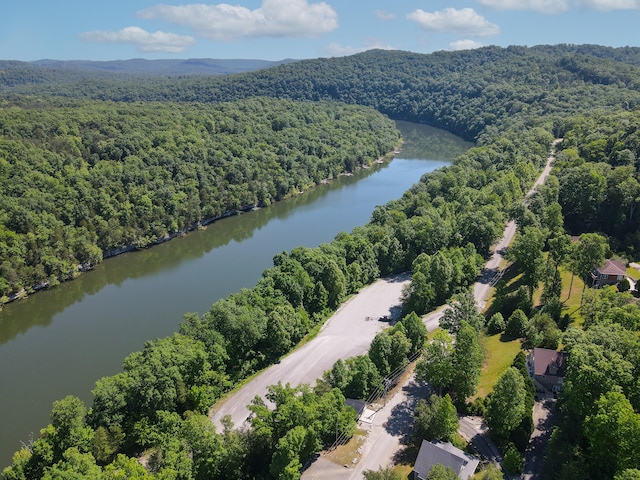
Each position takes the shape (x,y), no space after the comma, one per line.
(91,324)
(202,223)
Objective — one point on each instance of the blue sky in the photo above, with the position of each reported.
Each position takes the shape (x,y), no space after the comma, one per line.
(278,29)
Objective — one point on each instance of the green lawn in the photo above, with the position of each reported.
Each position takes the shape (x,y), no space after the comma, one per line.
(571,298)
(633,273)
(499,356)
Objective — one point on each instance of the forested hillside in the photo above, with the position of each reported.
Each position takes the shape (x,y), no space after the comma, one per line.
(463,92)
(513,101)
(81,179)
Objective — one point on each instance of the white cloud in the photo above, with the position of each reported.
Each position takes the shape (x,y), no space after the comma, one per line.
(465,21)
(465,45)
(143,40)
(383,15)
(610,4)
(558,6)
(275,18)
(542,6)
(337,50)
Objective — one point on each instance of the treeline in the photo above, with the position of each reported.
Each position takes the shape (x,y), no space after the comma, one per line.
(81,179)
(598,173)
(599,429)
(464,92)
(511,99)
(592,193)
(598,408)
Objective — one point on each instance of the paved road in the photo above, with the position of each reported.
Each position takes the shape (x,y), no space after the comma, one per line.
(383,445)
(348,333)
(388,432)
(390,428)
(475,431)
(492,267)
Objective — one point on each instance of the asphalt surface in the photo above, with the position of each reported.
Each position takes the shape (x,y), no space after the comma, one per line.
(387,444)
(388,429)
(475,431)
(543,421)
(348,333)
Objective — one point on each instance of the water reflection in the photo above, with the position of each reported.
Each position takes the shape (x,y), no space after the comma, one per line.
(59,342)
(39,309)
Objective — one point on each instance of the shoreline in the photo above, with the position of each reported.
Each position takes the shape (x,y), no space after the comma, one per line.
(202,223)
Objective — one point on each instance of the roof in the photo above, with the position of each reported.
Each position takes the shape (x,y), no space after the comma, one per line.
(549,362)
(445,454)
(357,405)
(613,267)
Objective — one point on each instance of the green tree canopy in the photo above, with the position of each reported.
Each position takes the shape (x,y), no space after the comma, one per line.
(506,406)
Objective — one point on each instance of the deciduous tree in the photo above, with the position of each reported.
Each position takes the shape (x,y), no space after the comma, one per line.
(507,403)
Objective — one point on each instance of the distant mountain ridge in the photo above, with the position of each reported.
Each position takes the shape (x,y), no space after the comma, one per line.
(167,67)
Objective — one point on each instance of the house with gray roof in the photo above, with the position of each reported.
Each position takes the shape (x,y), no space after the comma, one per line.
(434,453)
(610,273)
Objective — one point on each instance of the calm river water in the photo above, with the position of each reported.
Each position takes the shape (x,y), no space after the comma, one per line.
(59,342)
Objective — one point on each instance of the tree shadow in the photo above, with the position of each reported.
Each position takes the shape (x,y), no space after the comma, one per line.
(534,454)
(400,422)
(406,455)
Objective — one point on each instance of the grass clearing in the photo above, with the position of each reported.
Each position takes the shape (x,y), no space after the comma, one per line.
(404,470)
(499,356)
(571,295)
(633,274)
(350,451)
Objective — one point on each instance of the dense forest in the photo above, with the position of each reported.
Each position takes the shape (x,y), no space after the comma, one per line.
(513,102)
(83,179)
(464,92)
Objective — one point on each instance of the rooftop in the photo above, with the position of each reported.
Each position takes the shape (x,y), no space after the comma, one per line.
(444,454)
(613,268)
(549,362)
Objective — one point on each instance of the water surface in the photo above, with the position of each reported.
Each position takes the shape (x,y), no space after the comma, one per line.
(59,342)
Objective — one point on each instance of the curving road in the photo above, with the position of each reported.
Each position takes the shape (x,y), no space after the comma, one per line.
(349,333)
(383,442)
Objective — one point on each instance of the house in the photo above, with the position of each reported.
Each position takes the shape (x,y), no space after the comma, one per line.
(548,368)
(609,274)
(433,453)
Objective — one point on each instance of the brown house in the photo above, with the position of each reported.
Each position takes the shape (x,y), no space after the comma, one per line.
(548,368)
(609,274)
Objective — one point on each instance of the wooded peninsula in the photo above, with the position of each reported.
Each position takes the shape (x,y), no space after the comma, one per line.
(92,163)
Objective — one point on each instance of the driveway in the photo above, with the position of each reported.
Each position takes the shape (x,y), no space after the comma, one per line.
(543,421)
(475,431)
(388,443)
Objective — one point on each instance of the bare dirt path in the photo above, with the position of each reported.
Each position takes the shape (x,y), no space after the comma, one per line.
(348,333)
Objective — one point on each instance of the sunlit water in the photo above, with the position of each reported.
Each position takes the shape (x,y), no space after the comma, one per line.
(59,342)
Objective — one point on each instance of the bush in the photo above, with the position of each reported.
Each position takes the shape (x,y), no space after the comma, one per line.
(624,285)
(477,408)
(496,324)
(513,461)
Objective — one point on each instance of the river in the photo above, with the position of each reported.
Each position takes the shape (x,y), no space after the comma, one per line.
(59,342)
